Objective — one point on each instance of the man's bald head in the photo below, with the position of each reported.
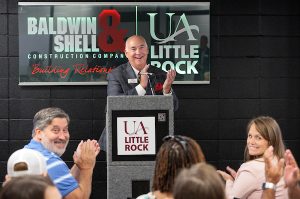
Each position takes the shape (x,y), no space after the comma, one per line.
(134,37)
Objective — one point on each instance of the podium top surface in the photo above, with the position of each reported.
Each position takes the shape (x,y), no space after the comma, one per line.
(133,102)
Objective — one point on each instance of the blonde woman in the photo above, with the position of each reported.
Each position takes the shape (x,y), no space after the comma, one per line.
(247,182)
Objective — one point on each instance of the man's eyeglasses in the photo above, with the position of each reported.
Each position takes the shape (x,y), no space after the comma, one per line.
(177,138)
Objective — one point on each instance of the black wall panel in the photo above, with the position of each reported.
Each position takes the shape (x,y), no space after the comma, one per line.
(255,61)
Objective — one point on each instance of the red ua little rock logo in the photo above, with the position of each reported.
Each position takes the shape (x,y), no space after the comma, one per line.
(137,138)
(136,135)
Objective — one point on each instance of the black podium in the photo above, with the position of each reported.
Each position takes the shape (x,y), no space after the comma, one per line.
(135,127)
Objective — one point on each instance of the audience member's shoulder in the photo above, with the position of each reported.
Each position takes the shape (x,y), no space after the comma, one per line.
(146,196)
(254,165)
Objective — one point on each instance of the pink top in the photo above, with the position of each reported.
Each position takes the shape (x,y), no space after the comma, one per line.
(249,180)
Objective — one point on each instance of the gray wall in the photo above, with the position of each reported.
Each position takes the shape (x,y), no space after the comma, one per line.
(255,62)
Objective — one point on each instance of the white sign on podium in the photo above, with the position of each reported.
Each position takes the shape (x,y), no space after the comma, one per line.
(136,135)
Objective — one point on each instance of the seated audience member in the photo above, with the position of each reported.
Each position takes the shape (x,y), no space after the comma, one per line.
(177,152)
(50,137)
(25,162)
(274,170)
(247,182)
(199,181)
(30,187)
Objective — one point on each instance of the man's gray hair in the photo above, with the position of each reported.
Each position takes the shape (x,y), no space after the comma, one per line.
(45,116)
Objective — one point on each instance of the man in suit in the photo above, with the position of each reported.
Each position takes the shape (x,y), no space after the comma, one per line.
(136,77)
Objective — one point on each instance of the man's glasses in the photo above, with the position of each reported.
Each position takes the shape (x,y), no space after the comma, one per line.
(177,138)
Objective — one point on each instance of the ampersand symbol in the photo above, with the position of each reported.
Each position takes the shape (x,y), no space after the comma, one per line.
(111,32)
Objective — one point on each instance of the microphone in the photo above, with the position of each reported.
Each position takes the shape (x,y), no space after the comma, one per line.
(147,73)
(150,84)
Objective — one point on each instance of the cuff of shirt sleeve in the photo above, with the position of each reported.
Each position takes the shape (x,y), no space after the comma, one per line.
(170,93)
(140,90)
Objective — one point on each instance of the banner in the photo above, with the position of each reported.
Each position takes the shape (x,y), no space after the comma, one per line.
(80,43)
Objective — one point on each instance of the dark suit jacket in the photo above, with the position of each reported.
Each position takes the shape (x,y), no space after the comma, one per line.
(118,82)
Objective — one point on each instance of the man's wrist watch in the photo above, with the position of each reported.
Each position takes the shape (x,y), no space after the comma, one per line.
(268,185)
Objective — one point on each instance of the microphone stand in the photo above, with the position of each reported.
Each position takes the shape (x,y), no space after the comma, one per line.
(151,88)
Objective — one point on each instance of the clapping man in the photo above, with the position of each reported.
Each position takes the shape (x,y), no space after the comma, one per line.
(50,136)
(136,77)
